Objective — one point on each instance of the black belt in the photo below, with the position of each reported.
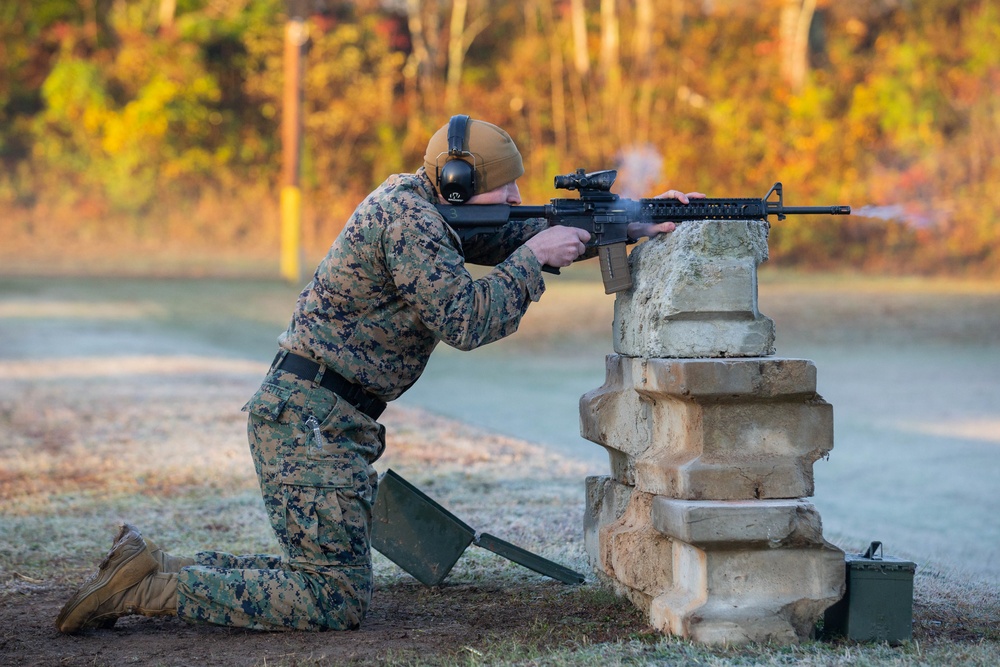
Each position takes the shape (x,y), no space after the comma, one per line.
(353,393)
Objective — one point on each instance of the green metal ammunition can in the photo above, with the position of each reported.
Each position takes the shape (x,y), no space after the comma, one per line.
(878,602)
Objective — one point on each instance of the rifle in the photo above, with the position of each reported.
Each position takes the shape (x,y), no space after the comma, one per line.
(607,216)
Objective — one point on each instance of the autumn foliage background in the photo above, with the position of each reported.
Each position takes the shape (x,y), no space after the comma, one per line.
(150,128)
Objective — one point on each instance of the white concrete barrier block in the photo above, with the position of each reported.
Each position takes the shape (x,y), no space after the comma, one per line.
(695,294)
(721,429)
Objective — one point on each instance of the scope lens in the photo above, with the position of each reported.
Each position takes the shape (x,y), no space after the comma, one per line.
(565,182)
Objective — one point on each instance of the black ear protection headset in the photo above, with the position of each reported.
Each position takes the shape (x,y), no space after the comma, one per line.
(456,179)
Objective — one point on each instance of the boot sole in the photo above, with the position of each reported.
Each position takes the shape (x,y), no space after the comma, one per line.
(122,565)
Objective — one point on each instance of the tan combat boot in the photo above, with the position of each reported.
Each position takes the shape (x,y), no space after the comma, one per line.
(126,582)
(167,562)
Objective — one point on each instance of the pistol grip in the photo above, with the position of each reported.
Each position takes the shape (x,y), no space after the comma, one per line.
(614,267)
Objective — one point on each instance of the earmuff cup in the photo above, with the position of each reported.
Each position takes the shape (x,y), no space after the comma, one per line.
(457,181)
(457,178)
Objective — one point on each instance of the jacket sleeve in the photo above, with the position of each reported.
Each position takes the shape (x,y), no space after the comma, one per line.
(428,269)
(491,249)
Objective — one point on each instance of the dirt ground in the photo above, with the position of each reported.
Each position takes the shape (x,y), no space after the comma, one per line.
(407,621)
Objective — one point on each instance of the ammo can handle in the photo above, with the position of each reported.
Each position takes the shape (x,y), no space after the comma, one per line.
(872,549)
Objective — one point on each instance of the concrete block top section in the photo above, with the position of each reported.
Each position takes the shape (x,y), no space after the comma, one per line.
(694,294)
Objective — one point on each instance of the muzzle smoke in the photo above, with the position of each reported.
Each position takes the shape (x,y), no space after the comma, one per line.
(638,171)
(907,215)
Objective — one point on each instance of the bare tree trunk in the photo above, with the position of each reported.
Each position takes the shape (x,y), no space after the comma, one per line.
(796,19)
(643,46)
(460,38)
(642,69)
(424,67)
(456,52)
(610,64)
(581,61)
(168,8)
(557,72)
(530,103)
(581,57)
(419,68)
(614,121)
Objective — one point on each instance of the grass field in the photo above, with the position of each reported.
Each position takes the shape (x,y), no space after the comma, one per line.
(120,400)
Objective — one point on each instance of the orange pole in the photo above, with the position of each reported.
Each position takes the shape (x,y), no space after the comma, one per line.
(291,140)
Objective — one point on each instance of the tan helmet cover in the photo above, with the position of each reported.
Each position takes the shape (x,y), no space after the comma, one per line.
(494,155)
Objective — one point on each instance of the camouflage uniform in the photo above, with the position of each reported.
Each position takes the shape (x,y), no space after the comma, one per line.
(391,287)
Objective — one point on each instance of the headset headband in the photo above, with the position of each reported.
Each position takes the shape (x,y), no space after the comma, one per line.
(458,128)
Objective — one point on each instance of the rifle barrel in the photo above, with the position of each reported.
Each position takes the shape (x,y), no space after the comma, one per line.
(815,210)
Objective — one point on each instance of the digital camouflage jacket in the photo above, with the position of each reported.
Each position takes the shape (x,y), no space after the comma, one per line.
(394,284)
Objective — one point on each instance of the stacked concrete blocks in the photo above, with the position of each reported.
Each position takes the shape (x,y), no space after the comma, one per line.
(702,522)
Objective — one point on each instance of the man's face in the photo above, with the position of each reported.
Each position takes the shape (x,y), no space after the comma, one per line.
(505,194)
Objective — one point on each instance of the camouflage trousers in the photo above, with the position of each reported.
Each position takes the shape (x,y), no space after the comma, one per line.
(313,453)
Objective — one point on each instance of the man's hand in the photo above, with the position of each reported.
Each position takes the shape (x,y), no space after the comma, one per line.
(637,230)
(558,246)
(680,196)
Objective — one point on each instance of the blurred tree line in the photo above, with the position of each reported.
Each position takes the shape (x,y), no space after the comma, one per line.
(159,119)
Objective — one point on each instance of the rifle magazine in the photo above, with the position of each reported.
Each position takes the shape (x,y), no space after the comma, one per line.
(614,268)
